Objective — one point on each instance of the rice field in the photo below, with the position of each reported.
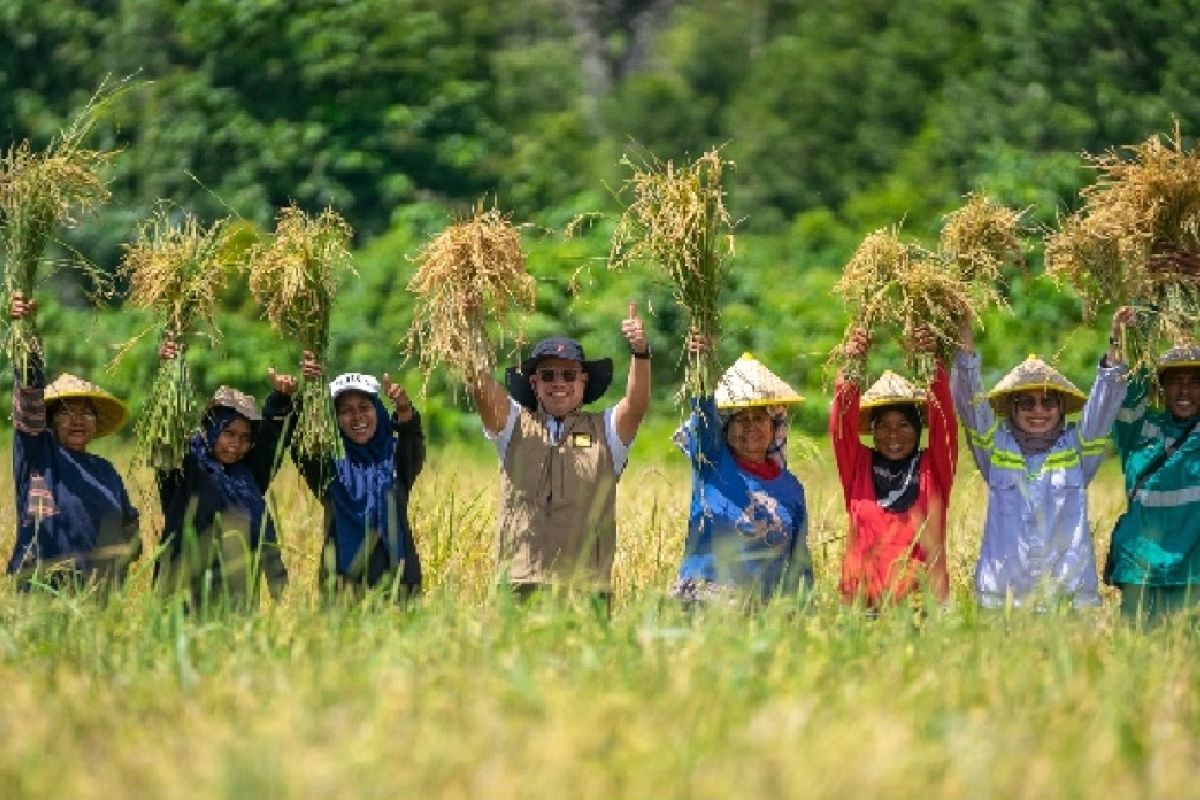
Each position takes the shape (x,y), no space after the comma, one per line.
(465,695)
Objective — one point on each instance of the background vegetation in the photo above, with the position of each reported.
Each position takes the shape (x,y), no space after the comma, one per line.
(841,117)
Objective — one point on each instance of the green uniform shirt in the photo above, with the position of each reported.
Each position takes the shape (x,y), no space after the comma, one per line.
(1157,541)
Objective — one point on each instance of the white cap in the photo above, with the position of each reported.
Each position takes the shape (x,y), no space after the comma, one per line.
(354,382)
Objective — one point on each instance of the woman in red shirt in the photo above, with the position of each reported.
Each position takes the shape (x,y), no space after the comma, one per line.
(896,494)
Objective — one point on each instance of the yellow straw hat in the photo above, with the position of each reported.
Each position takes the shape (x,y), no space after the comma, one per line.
(748,383)
(111,413)
(1185,356)
(890,390)
(240,402)
(1035,375)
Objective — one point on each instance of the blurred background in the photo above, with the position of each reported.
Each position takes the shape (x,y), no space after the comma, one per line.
(841,117)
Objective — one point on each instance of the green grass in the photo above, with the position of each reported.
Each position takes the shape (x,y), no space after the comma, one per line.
(463,695)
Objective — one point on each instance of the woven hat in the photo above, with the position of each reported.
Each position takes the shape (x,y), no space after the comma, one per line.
(890,390)
(1180,357)
(1035,375)
(748,383)
(240,402)
(111,413)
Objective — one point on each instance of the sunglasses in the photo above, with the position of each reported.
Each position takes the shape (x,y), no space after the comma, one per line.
(77,414)
(1030,402)
(566,375)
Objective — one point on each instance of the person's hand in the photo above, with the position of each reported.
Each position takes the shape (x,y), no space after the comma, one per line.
(169,348)
(310,367)
(1123,317)
(922,338)
(966,335)
(859,344)
(634,332)
(283,384)
(698,344)
(395,392)
(20,308)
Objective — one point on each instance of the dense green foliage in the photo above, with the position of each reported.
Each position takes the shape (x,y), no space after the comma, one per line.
(841,117)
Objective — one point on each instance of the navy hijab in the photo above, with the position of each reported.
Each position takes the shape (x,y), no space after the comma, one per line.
(234,482)
(360,491)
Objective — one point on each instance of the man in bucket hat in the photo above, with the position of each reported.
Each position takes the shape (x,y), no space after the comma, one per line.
(1155,552)
(559,463)
(74,517)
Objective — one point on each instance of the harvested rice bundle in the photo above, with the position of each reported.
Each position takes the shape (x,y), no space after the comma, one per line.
(40,192)
(294,277)
(678,220)
(1136,241)
(982,238)
(174,268)
(470,273)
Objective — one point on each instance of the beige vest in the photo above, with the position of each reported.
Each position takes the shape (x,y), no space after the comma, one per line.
(557,503)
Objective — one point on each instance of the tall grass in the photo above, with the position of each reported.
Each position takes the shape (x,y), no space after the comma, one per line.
(465,695)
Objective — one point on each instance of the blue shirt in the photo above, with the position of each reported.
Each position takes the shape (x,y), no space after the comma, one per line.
(743,530)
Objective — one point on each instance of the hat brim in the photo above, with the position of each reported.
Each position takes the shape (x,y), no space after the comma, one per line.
(765,402)
(1177,365)
(1073,401)
(599,372)
(111,413)
(864,411)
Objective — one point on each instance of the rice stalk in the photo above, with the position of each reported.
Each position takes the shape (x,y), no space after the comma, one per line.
(41,192)
(470,274)
(1136,241)
(677,219)
(294,277)
(175,269)
(890,284)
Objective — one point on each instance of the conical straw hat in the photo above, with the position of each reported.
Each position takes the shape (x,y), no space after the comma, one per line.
(240,402)
(110,412)
(1180,357)
(748,383)
(1035,375)
(890,390)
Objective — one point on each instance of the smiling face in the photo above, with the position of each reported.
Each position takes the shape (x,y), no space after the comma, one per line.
(233,442)
(558,384)
(356,416)
(1037,411)
(1181,391)
(749,434)
(894,435)
(74,424)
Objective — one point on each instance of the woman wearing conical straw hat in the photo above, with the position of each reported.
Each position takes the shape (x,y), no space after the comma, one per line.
(1155,553)
(896,494)
(74,518)
(218,534)
(1037,547)
(748,520)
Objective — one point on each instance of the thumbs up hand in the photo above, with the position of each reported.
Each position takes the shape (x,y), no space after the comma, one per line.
(634,333)
(395,392)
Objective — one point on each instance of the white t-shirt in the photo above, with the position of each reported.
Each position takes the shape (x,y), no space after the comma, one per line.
(619,450)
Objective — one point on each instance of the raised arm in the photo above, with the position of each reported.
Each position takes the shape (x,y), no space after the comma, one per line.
(943,429)
(274,431)
(973,408)
(1105,399)
(317,472)
(410,438)
(490,400)
(29,389)
(632,408)
(848,450)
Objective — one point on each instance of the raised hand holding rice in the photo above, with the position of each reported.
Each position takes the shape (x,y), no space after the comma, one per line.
(295,277)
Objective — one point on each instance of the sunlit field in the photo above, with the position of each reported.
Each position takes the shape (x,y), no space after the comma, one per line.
(464,695)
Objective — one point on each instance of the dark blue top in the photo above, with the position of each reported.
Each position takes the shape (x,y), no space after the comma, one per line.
(743,530)
(71,506)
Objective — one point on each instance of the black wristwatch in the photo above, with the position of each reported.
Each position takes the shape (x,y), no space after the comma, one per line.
(641,356)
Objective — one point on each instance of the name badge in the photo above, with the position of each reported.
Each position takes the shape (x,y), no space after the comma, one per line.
(581,439)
